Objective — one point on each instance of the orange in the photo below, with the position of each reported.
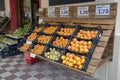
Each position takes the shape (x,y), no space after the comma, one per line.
(80,66)
(67,54)
(78,63)
(74,39)
(67,58)
(74,62)
(63,57)
(82,61)
(86,50)
(64,61)
(70,65)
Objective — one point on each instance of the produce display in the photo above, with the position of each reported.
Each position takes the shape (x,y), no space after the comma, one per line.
(50,30)
(25,47)
(32,36)
(37,29)
(3,46)
(80,46)
(71,60)
(60,42)
(37,49)
(66,31)
(53,54)
(44,39)
(86,34)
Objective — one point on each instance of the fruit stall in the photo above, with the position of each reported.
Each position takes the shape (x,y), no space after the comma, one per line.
(68,39)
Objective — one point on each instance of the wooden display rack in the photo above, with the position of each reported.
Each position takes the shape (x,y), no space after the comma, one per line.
(100,55)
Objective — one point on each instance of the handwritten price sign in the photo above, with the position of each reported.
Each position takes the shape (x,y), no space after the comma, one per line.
(64,11)
(103,9)
(83,11)
(51,11)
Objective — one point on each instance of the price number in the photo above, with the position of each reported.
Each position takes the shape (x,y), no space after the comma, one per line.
(64,11)
(83,11)
(51,11)
(102,9)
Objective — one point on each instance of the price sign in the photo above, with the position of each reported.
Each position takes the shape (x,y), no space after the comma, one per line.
(64,11)
(83,11)
(51,11)
(103,9)
(28,42)
(32,55)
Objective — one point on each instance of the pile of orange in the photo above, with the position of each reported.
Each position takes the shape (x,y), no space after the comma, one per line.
(80,46)
(37,29)
(66,31)
(50,30)
(73,61)
(37,49)
(86,34)
(60,42)
(44,39)
(32,36)
(25,46)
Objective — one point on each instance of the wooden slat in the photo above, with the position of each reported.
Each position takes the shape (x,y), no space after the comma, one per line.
(94,21)
(94,62)
(104,61)
(102,44)
(107,33)
(104,39)
(91,69)
(98,52)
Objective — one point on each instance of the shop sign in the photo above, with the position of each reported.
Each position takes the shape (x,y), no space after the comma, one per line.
(103,9)
(51,11)
(83,11)
(64,11)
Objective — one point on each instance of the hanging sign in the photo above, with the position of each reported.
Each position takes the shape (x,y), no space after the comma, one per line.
(28,42)
(83,11)
(64,11)
(51,11)
(103,9)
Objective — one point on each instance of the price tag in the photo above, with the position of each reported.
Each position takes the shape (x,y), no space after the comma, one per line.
(28,42)
(51,11)
(64,11)
(83,11)
(32,55)
(40,20)
(103,9)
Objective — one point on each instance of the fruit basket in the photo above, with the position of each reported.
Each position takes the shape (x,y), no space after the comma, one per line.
(74,61)
(24,45)
(88,33)
(59,41)
(52,53)
(50,29)
(37,48)
(43,39)
(65,30)
(80,46)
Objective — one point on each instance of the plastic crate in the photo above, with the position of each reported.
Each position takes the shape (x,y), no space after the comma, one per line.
(66,26)
(98,28)
(15,52)
(5,54)
(29,60)
(54,38)
(85,65)
(56,49)
(37,25)
(36,40)
(89,54)
(48,25)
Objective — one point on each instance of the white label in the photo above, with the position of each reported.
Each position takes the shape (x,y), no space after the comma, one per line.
(40,20)
(32,55)
(51,11)
(83,11)
(28,42)
(64,11)
(103,9)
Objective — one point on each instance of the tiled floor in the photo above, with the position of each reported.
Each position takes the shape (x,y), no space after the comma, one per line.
(15,68)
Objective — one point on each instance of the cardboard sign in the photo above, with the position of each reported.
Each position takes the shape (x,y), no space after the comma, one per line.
(64,11)
(51,11)
(83,11)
